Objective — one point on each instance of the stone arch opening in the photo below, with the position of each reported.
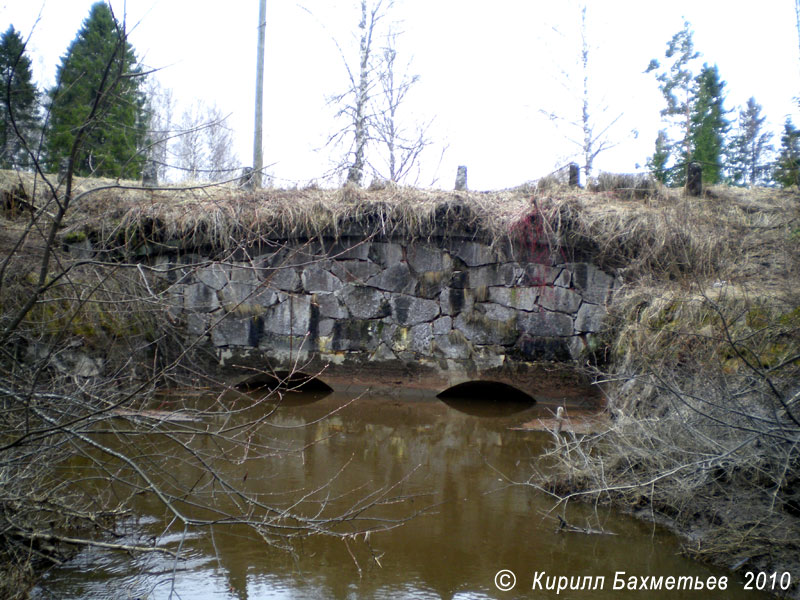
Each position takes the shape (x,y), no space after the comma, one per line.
(487,398)
(286,381)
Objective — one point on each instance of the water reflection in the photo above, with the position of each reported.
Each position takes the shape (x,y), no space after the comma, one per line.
(488,409)
(432,454)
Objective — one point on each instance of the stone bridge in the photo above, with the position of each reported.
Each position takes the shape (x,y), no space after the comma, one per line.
(392,315)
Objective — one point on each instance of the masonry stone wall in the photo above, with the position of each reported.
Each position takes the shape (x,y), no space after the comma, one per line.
(458,307)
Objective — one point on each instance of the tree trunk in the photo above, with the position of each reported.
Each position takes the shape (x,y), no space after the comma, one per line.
(357,168)
(588,142)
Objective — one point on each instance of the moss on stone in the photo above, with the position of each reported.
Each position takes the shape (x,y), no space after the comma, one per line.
(75,237)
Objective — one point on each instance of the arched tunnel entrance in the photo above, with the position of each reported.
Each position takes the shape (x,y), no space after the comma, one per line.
(487,398)
(286,381)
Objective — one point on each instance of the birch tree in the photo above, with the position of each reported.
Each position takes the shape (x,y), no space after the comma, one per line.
(204,145)
(221,158)
(189,148)
(399,146)
(362,87)
(160,116)
(369,110)
(589,130)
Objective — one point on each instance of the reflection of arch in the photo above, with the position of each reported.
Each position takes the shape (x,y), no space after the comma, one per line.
(286,381)
(487,398)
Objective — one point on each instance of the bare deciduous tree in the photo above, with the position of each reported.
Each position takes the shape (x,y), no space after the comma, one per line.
(222,162)
(354,104)
(161,115)
(369,20)
(590,131)
(190,149)
(401,147)
(203,144)
(369,109)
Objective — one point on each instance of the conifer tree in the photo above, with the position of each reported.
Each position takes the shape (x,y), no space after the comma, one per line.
(658,162)
(787,171)
(19,101)
(98,98)
(676,85)
(749,146)
(707,124)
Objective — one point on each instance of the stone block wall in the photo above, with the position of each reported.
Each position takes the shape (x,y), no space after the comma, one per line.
(458,304)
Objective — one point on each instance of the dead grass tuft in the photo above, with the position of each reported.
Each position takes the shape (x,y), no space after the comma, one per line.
(628,185)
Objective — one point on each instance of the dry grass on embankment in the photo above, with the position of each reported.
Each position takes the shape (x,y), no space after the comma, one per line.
(703,372)
(224,217)
(701,354)
(659,235)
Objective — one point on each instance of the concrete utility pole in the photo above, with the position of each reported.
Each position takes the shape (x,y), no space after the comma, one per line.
(258,152)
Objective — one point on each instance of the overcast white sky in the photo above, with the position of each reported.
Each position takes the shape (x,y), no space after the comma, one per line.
(486,69)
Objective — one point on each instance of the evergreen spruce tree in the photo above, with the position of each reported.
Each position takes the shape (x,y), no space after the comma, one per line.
(749,146)
(98,102)
(658,162)
(787,170)
(676,84)
(19,100)
(707,125)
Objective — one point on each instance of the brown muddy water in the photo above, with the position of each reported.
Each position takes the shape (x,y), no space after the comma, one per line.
(454,461)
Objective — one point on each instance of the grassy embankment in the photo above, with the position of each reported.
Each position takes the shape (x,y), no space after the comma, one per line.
(702,360)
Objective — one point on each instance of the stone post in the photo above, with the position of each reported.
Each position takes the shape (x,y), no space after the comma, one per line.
(63,167)
(694,179)
(461,178)
(150,174)
(574,175)
(247,181)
